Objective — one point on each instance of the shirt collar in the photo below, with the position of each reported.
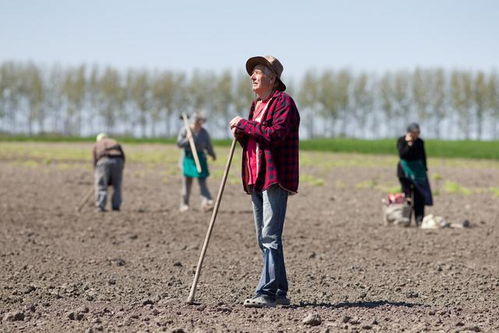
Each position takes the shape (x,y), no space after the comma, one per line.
(276,92)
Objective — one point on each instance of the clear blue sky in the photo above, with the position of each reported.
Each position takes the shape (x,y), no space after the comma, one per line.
(373,35)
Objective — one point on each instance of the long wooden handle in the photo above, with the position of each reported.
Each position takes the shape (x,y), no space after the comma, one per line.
(190,299)
(84,200)
(191,142)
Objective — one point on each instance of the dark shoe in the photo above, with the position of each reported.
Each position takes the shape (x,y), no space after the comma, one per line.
(282,300)
(116,209)
(260,301)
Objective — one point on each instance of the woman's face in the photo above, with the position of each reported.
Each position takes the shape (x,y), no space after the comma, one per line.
(199,122)
(415,134)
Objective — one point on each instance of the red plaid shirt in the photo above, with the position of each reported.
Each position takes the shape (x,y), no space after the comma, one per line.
(278,144)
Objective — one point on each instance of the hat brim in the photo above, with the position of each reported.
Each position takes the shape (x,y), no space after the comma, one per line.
(254,61)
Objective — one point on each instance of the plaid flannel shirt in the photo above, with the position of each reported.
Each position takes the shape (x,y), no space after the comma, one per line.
(277,138)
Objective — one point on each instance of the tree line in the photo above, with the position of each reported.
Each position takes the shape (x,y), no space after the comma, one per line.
(84,100)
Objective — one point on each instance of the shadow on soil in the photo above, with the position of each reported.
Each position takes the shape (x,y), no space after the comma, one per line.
(367,304)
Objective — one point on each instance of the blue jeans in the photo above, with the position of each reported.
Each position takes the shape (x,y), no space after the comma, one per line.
(269,210)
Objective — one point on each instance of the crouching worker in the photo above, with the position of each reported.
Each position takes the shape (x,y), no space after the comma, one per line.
(412,171)
(203,145)
(109,160)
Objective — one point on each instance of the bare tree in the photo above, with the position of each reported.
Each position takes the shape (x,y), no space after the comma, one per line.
(327,102)
(402,99)
(461,90)
(73,89)
(493,91)
(4,94)
(243,95)
(169,95)
(362,102)
(139,94)
(421,91)
(35,94)
(386,93)
(94,97)
(222,100)
(438,100)
(200,91)
(111,98)
(342,98)
(11,93)
(54,97)
(308,97)
(481,101)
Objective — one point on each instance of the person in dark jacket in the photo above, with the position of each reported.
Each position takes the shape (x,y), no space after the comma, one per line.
(412,171)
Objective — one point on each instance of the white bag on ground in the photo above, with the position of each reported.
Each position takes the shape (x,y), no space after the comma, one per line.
(397,214)
(434,222)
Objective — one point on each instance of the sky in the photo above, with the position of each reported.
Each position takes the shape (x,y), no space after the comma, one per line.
(376,35)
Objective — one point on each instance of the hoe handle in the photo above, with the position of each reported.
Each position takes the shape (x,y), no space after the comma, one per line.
(191,142)
(85,199)
(190,299)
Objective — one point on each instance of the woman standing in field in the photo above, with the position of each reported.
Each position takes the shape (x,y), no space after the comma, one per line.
(203,146)
(412,171)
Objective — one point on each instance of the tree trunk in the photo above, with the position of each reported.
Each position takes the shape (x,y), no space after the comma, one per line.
(143,125)
(310,125)
(344,125)
(153,128)
(30,123)
(41,119)
(436,127)
(78,122)
(374,125)
(494,129)
(479,121)
(167,123)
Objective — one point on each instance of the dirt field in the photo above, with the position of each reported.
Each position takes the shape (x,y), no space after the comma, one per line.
(131,270)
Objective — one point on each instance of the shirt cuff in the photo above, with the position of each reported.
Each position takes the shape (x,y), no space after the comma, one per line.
(240,126)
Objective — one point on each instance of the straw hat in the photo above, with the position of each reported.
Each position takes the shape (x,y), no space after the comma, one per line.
(101,136)
(272,63)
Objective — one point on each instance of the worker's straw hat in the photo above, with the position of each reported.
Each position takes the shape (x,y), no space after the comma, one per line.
(101,136)
(272,63)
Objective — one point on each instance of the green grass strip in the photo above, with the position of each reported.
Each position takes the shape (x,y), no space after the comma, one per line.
(434,148)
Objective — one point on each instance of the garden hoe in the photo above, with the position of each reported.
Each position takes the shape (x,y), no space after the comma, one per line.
(85,199)
(190,299)
(191,142)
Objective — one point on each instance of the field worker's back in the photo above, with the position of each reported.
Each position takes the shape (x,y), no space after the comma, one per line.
(107,147)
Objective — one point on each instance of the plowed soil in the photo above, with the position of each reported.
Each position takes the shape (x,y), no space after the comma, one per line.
(131,271)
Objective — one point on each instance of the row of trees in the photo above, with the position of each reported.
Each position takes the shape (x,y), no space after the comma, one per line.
(84,100)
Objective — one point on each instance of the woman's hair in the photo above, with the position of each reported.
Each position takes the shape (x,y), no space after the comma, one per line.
(199,116)
(413,127)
